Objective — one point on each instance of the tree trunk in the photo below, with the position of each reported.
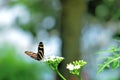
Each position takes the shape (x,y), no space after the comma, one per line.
(71,23)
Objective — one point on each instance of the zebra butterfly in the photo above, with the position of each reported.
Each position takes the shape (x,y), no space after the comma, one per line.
(39,55)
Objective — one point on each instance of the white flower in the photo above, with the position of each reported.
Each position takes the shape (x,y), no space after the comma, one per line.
(52,58)
(70,66)
(77,67)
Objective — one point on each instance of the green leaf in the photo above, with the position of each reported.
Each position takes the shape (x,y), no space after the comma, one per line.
(116,55)
(108,62)
(111,50)
(113,59)
(115,64)
(100,69)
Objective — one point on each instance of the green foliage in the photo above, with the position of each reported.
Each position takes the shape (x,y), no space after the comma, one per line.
(112,61)
(105,9)
(102,11)
(14,67)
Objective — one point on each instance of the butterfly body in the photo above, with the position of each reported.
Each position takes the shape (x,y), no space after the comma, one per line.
(39,55)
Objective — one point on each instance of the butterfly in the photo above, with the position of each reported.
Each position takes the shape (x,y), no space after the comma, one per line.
(39,55)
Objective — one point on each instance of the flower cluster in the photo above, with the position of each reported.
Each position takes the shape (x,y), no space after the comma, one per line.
(54,61)
(76,66)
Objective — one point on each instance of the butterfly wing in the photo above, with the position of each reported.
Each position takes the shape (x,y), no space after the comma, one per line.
(40,53)
(31,54)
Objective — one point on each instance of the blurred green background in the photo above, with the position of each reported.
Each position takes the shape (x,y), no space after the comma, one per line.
(74,29)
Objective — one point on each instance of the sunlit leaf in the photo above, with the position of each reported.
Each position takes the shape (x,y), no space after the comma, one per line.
(108,62)
(115,64)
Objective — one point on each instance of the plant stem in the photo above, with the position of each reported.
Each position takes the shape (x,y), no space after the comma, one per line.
(60,74)
(80,78)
